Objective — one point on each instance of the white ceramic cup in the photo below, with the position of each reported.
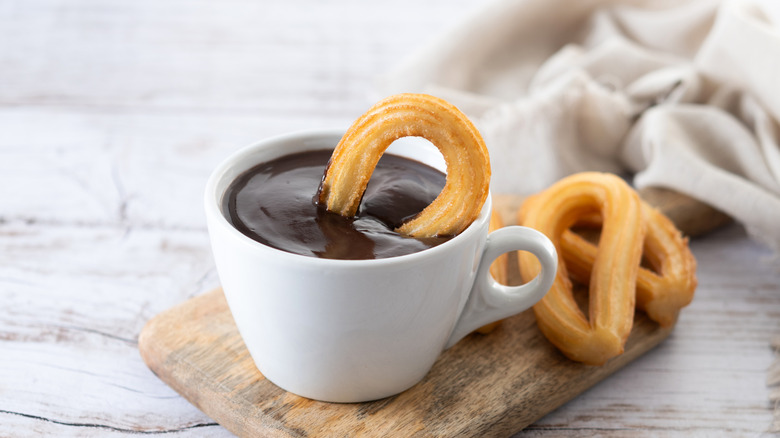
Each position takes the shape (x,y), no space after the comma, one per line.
(359,330)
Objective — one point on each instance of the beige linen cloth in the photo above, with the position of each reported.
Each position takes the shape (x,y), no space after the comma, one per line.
(680,94)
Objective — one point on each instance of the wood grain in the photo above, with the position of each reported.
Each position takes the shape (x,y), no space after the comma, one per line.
(112,115)
(486,385)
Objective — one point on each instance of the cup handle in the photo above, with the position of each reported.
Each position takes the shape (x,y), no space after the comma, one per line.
(490,301)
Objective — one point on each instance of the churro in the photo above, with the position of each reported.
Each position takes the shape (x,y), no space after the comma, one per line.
(602,335)
(419,115)
(661,291)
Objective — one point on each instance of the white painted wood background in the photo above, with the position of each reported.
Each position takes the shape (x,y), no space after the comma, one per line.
(112,115)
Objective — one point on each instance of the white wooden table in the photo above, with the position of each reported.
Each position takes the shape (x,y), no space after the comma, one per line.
(112,115)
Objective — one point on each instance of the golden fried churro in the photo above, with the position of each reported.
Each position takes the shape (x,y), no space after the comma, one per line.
(661,295)
(419,115)
(602,336)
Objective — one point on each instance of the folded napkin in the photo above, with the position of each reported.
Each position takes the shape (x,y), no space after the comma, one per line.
(677,94)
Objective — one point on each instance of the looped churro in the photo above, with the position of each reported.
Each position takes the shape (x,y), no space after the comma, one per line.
(661,295)
(602,336)
(464,151)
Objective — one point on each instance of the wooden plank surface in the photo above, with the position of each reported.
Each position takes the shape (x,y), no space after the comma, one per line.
(486,385)
(113,114)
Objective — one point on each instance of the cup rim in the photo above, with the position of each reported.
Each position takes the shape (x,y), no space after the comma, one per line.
(216,217)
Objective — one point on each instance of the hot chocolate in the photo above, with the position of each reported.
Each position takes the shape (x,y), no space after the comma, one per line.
(275,204)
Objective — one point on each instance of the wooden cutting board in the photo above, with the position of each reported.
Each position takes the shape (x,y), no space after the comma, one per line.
(486,385)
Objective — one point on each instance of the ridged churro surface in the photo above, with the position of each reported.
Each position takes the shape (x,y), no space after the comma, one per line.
(630,229)
(602,335)
(417,115)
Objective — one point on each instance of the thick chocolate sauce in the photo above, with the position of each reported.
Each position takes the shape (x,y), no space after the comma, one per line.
(275,204)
